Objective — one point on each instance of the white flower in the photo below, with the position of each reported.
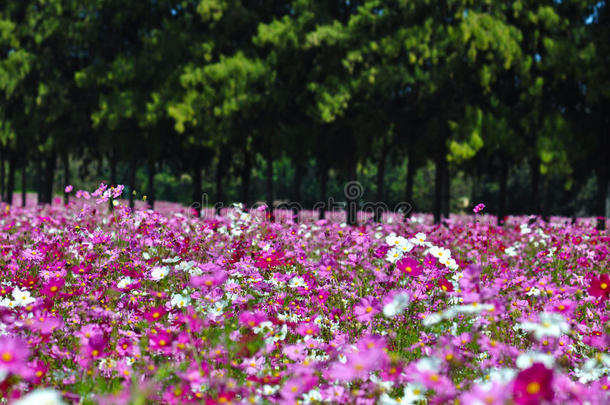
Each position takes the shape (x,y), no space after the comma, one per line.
(526,360)
(419,239)
(159,272)
(44,396)
(384,385)
(398,304)
(22,297)
(524,229)
(432,364)
(440,253)
(593,369)
(393,255)
(312,396)
(297,282)
(171,259)
(125,282)
(180,301)
(431,319)
(551,324)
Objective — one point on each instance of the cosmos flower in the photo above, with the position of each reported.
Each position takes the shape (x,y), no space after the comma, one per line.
(551,324)
(533,385)
(14,355)
(366,309)
(600,287)
(41,396)
(399,302)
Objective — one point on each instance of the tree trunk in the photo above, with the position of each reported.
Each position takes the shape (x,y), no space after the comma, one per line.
(323,187)
(535,201)
(150,193)
(132,183)
(246,173)
(446,190)
(197,191)
(46,186)
(2,176)
(270,185)
(502,194)
(299,172)
(10,185)
(602,192)
(66,164)
(219,189)
(546,203)
(380,176)
(23,183)
(409,183)
(438,188)
(39,180)
(352,192)
(113,164)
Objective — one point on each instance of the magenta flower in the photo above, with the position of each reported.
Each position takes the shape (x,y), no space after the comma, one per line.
(600,287)
(478,208)
(68,189)
(533,385)
(154,314)
(409,266)
(14,355)
(366,309)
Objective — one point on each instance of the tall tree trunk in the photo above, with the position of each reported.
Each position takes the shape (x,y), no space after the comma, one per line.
(39,180)
(409,183)
(380,176)
(150,193)
(323,187)
(352,191)
(438,188)
(24,167)
(197,197)
(535,193)
(132,183)
(46,187)
(219,189)
(66,164)
(269,187)
(2,176)
(602,193)
(10,185)
(246,173)
(502,194)
(299,172)
(113,164)
(446,191)
(546,203)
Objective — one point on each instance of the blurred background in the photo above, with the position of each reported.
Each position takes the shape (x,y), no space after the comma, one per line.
(442,104)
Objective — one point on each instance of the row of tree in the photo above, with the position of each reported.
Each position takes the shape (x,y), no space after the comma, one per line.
(194,84)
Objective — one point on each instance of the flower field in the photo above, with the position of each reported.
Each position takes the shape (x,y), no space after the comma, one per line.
(151,307)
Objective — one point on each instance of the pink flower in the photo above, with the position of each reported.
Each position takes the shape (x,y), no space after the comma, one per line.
(533,385)
(252,318)
(68,189)
(409,266)
(366,309)
(155,314)
(308,329)
(600,287)
(14,356)
(445,285)
(358,365)
(478,208)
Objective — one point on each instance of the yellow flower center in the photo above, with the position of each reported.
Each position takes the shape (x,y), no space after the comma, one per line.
(6,357)
(533,387)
